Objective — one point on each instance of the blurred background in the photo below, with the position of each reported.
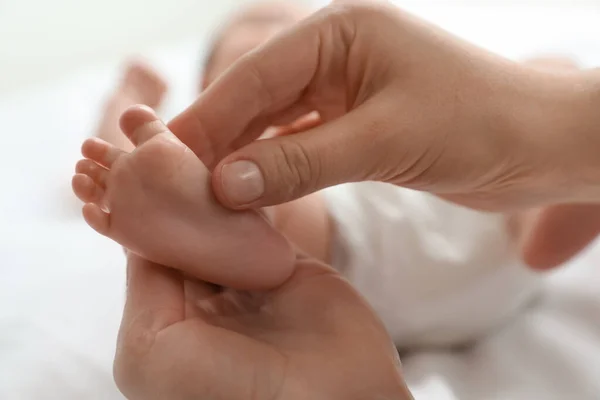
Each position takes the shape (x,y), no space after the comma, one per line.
(61,285)
(43,40)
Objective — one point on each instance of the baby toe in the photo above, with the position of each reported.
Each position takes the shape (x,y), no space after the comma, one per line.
(141,124)
(96,218)
(98,173)
(86,189)
(101,152)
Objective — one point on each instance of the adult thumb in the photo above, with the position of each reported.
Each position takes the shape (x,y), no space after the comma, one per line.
(275,171)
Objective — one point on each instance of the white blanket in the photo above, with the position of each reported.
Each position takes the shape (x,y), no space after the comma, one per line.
(62,285)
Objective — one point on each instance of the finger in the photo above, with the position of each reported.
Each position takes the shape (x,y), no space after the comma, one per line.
(264,127)
(265,82)
(97,173)
(303,124)
(140,124)
(101,152)
(275,171)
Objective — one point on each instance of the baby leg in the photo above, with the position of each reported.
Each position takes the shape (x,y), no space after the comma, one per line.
(140,85)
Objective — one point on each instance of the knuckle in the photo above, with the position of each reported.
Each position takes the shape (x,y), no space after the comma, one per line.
(264,94)
(299,168)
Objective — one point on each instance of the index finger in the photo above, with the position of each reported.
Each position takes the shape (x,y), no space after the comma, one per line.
(261,86)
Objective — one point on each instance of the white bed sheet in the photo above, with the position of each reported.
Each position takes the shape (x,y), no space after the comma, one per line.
(61,290)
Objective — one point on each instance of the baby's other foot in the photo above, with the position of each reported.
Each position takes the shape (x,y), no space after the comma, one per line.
(143,85)
(140,85)
(158,203)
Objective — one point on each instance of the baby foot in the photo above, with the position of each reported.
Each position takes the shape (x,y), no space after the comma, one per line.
(157,202)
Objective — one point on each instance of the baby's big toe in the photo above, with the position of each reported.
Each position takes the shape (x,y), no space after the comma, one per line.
(96,172)
(159,158)
(141,124)
(89,182)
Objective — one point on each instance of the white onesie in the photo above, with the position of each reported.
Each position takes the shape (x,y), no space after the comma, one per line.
(435,272)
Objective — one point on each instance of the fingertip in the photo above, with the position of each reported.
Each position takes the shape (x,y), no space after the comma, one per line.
(96,218)
(239,184)
(265,173)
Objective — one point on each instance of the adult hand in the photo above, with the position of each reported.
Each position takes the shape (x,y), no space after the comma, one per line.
(312,338)
(551,236)
(400,101)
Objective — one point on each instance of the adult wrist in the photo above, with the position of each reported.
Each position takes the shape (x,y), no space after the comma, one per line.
(578,132)
(559,124)
(588,118)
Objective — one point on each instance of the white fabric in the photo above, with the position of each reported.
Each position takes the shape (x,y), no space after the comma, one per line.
(551,351)
(436,273)
(62,285)
(61,289)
